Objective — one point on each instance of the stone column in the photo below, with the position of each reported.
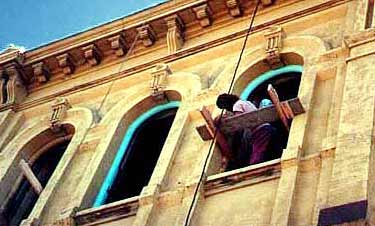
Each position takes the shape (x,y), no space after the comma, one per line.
(352,177)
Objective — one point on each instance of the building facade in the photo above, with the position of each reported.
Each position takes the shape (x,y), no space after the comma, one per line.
(100,128)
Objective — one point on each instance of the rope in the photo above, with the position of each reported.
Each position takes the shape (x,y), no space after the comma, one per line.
(119,70)
(187,219)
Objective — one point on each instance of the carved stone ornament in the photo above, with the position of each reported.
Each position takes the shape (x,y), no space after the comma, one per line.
(159,79)
(59,110)
(203,15)
(147,35)
(66,63)
(234,8)
(274,37)
(118,45)
(175,35)
(41,72)
(92,54)
(12,89)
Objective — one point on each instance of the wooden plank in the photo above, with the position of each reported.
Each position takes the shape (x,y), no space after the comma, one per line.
(251,119)
(220,138)
(30,176)
(204,132)
(276,102)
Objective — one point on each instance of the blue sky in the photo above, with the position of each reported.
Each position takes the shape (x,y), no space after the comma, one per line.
(32,23)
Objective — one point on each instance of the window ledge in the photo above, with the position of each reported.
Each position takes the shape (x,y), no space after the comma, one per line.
(242,177)
(108,212)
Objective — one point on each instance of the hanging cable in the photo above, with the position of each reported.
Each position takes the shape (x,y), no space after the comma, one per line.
(187,219)
(119,70)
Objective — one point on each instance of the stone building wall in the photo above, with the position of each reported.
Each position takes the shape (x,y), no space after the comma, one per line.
(326,168)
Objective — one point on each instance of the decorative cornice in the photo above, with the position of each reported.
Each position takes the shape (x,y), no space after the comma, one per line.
(203,14)
(147,35)
(234,7)
(66,63)
(184,53)
(118,44)
(92,54)
(41,72)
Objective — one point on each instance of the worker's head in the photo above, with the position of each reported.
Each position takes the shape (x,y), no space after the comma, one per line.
(226,101)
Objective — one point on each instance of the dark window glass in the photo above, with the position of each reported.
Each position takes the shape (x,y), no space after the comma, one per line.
(141,156)
(23,200)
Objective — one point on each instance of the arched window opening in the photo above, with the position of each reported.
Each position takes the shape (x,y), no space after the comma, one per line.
(286,81)
(24,198)
(137,156)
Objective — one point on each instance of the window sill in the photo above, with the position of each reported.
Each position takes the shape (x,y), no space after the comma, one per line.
(108,212)
(242,177)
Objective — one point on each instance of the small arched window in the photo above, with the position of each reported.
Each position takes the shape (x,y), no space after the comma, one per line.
(23,199)
(138,153)
(286,81)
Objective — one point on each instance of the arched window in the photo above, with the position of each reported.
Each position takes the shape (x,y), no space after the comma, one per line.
(286,81)
(22,201)
(137,155)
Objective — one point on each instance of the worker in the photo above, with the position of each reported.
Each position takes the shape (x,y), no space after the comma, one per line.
(254,141)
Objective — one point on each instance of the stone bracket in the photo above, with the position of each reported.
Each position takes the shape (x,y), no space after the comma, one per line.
(12,88)
(147,35)
(274,37)
(203,14)
(92,54)
(118,45)
(41,72)
(175,34)
(159,80)
(234,8)
(65,62)
(59,110)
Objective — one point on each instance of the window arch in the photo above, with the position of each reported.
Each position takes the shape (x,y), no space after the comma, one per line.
(127,174)
(43,162)
(286,81)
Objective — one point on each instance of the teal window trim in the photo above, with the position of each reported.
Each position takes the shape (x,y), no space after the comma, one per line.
(113,171)
(268,75)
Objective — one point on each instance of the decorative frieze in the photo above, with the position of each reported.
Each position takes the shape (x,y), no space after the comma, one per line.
(274,36)
(159,79)
(59,110)
(92,54)
(234,8)
(147,35)
(41,72)
(175,34)
(118,45)
(12,87)
(203,14)
(65,62)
